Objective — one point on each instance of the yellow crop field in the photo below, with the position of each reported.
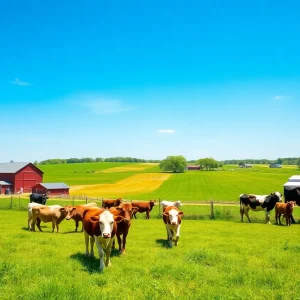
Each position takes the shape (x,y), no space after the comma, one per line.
(136,184)
(130,168)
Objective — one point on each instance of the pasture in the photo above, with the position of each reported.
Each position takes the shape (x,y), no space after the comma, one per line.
(137,181)
(213,260)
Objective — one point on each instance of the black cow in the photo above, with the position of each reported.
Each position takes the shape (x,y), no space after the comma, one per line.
(292,194)
(258,203)
(38,198)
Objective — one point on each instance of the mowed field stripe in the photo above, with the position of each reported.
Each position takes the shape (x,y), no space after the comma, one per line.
(129,168)
(136,184)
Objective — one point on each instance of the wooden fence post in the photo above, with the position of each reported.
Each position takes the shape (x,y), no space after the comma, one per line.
(159,206)
(212,214)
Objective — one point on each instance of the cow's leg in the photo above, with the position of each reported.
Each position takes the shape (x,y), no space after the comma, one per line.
(107,254)
(86,240)
(177,235)
(242,213)
(292,220)
(38,224)
(246,212)
(101,254)
(92,243)
(33,221)
(267,216)
(169,235)
(147,215)
(279,216)
(120,243)
(134,214)
(123,251)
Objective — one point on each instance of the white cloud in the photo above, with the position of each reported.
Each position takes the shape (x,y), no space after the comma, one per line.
(17,81)
(279,97)
(166,130)
(101,105)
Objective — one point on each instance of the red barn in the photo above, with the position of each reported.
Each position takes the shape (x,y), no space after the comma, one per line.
(19,177)
(51,189)
(193,167)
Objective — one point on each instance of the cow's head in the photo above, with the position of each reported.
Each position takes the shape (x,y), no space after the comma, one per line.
(126,210)
(118,201)
(107,223)
(291,204)
(178,203)
(70,211)
(174,216)
(278,195)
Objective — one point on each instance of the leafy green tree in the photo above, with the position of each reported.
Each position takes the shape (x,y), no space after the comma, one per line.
(207,163)
(175,164)
(241,163)
(298,163)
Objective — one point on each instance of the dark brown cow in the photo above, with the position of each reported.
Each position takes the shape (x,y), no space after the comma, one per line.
(125,210)
(76,212)
(100,226)
(111,203)
(144,207)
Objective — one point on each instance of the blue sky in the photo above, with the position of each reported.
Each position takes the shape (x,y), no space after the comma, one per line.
(149,79)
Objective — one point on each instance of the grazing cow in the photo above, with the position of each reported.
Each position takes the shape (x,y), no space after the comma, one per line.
(125,210)
(285,209)
(30,206)
(38,198)
(54,214)
(143,207)
(111,203)
(165,203)
(76,212)
(100,226)
(258,203)
(172,219)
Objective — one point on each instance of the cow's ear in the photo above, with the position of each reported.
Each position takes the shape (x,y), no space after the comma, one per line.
(118,219)
(62,209)
(166,214)
(180,213)
(119,208)
(94,219)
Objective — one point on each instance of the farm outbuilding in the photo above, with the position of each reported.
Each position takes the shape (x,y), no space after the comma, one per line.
(292,188)
(51,189)
(193,168)
(19,177)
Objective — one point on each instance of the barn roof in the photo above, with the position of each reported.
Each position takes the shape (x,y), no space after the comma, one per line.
(54,185)
(13,167)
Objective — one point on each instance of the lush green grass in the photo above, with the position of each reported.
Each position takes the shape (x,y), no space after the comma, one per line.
(214,260)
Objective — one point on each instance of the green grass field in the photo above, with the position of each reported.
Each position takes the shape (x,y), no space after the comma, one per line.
(213,260)
(222,185)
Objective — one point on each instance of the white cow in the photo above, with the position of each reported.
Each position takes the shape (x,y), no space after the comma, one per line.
(30,206)
(172,219)
(166,203)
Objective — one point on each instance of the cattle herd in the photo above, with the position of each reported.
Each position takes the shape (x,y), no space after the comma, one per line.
(101,225)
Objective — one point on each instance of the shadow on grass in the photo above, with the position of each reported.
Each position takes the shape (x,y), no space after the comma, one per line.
(163,243)
(91,264)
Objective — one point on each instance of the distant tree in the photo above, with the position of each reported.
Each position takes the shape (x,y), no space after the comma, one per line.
(279,161)
(241,164)
(175,164)
(207,163)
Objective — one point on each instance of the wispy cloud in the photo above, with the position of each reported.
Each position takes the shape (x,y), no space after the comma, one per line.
(101,105)
(278,97)
(166,130)
(17,81)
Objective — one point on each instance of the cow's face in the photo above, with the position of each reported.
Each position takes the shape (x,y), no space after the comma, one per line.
(126,210)
(106,223)
(70,211)
(291,204)
(174,216)
(178,203)
(279,195)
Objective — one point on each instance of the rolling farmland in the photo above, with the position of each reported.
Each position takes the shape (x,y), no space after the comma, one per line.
(145,181)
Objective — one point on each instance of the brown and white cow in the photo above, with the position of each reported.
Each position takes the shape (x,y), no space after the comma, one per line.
(29,210)
(143,207)
(172,219)
(285,209)
(111,203)
(125,210)
(54,214)
(100,226)
(76,212)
